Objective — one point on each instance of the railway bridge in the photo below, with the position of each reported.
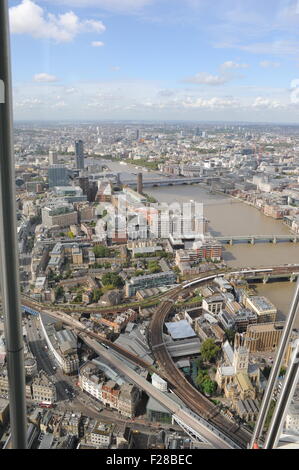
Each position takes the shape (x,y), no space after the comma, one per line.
(253,239)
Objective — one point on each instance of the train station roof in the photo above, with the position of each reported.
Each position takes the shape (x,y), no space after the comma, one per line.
(180,329)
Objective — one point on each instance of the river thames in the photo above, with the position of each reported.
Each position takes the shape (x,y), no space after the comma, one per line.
(228,216)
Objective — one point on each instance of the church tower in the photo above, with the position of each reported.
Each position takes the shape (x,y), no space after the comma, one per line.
(241,360)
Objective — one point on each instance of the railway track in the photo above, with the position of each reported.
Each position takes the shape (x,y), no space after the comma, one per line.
(197,402)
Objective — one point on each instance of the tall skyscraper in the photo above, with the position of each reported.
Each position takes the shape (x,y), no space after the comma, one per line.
(52,157)
(58,175)
(79,155)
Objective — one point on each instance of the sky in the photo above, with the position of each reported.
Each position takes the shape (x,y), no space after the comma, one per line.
(197,60)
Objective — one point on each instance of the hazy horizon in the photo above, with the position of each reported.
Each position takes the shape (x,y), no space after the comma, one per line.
(155,60)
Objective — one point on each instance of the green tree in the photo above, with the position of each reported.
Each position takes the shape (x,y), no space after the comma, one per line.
(201,377)
(101,251)
(209,386)
(139,272)
(113,280)
(59,292)
(209,350)
(78,298)
(96,294)
(154,267)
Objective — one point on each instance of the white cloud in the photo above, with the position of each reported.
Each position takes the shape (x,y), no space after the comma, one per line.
(203,78)
(97,43)
(28,103)
(230,65)
(141,99)
(266,64)
(44,78)
(115,68)
(110,5)
(260,102)
(212,103)
(30,18)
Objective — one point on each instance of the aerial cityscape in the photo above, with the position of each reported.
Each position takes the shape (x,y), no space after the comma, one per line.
(158,251)
(116,266)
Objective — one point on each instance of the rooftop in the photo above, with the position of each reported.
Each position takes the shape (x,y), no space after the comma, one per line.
(180,329)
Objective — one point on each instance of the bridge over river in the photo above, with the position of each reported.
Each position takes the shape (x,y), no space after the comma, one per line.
(253,239)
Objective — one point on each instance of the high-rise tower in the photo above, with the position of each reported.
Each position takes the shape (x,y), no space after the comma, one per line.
(79,155)
(52,157)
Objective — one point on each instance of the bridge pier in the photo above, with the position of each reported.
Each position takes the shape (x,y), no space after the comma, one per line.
(274,240)
(252,241)
(266,279)
(293,278)
(231,242)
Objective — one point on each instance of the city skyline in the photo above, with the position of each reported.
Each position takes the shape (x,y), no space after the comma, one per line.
(152,60)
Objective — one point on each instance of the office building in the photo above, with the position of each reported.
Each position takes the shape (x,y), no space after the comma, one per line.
(100,435)
(265,337)
(58,175)
(150,280)
(63,345)
(62,216)
(79,155)
(115,394)
(43,390)
(265,310)
(53,160)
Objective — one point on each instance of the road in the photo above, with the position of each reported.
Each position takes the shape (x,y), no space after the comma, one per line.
(82,402)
